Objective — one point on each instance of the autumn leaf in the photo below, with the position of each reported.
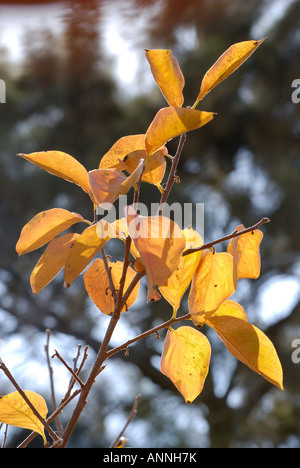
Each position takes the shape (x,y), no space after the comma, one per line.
(52,261)
(230,308)
(15,411)
(98,288)
(160,244)
(180,280)
(83,251)
(62,165)
(127,153)
(108,184)
(212,284)
(245,252)
(171,122)
(121,149)
(185,360)
(167,74)
(44,227)
(232,58)
(249,345)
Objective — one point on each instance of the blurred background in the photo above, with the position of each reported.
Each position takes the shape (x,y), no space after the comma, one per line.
(76,81)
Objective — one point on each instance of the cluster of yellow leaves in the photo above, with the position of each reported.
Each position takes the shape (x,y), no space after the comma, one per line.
(157,242)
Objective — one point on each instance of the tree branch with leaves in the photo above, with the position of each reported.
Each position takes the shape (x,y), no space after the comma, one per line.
(170,258)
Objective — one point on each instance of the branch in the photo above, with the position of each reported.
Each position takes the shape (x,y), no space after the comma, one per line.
(152,331)
(225,238)
(130,418)
(171,178)
(57,421)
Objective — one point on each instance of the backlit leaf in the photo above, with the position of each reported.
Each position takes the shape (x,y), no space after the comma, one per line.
(62,165)
(83,251)
(249,345)
(126,154)
(108,184)
(160,244)
(179,281)
(245,252)
(171,122)
(97,285)
(232,58)
(212,284)
(44,227)
(15,411)
(231,308)
(122,148)
(167,74)
(52,261)
(185,360)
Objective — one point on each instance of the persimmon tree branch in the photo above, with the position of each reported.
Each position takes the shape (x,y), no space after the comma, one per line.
(236,233)
(172,174)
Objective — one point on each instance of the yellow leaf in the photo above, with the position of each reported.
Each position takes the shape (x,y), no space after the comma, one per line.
(245,252)
(185,360)
(52,261)
(97,285)
(126,154)
(212,284)
(160,244)
(232,58)
(120,231)
(108,184)
(44,227)
(62,165)
(249,345)
(179,281)
(15,411)
(231,308)
(167,74)
(122,148)
(171,122)
(83,251)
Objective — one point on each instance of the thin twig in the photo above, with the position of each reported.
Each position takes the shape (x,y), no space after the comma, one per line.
(130,418)
(56,354)
(225,238)
(152,331)
(57,421)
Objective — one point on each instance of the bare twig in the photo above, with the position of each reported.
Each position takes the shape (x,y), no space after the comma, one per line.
(75,376)
(152,331)
(57,421)
(236,233)
(130,418)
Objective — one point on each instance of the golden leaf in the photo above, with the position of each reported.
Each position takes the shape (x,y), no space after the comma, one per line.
(185,360)
(171,122)
(15,411)
(167,74)
(212,284)
(44,227)
(98,288)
